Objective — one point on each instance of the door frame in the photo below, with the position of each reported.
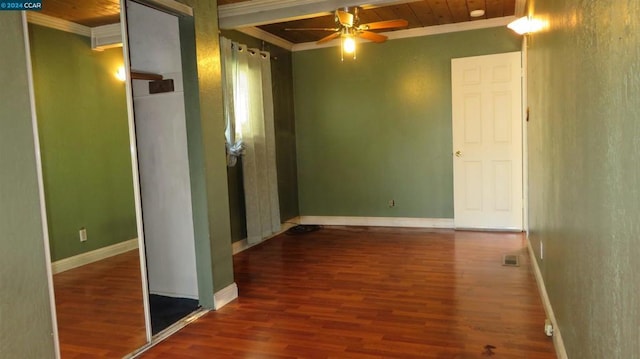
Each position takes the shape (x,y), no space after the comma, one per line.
(41,192)
(525,145)
(179,10)
(168,6)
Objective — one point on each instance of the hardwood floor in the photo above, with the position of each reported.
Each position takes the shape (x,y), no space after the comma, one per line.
(99,308)
(374,293)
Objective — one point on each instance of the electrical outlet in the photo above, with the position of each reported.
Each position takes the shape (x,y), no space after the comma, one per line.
(541,251)
(548,328)
(392,203)
(83,234)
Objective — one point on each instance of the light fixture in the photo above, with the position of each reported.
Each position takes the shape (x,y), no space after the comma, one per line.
(477,13)
(526,25)
(348,44)
(121,74)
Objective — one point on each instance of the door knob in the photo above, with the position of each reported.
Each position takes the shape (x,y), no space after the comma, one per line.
(458,153)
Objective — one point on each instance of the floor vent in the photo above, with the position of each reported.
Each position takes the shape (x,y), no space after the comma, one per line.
(303,229)
(511,260)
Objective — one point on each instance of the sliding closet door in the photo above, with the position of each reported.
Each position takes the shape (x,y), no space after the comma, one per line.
(160,125)
(87,177)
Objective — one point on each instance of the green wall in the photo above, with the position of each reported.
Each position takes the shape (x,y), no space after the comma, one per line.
(25,312)
(207,157)
(379,128)
(584,177)
(84,137)
(284,122)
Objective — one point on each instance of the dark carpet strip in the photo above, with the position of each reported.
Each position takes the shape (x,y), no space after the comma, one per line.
(166,311)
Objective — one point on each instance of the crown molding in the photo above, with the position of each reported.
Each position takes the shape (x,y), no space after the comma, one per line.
(259,12)
(420,31)
(37,18)
(102,37)
(260,34)
(171,5)
(106,36)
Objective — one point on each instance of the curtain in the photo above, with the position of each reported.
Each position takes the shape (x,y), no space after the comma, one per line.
(249,132)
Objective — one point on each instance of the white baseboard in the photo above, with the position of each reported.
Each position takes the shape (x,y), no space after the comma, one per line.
(379,221)
(242,245)
(93,256)
(225,296)
(558,343)
(447,223)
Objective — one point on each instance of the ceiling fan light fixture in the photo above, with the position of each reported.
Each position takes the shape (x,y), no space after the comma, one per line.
(349,45)
(477,13)
(348,28)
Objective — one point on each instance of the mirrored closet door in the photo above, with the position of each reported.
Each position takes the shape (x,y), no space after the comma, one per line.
(157,77)
(81,107)
(112,125)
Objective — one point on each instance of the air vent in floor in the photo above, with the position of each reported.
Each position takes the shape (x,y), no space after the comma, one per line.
(511,260)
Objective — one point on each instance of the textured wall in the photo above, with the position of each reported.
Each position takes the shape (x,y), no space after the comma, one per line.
(281,72)
(84,138)
(584,178)
(207,156)
(379,128)
(25,312)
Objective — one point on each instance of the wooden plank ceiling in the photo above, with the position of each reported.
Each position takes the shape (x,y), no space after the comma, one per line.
(84,12)
(418,13)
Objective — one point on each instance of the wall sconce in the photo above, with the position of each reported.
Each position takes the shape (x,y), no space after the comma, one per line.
(526,25)
(121,74)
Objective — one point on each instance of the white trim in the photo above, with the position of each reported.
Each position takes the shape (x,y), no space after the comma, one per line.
(93,256)
(173,6)
(260,12)
(225,296)
(242,245)
(258,33)
(421,31)
(558,343)
(37,18)
(106,36)
(41,194)
(447,28)
(133,149)
(169,331)
(525,146)
(378,221)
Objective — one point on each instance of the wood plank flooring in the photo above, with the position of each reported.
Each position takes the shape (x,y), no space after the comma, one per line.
(99,308)
(374,293)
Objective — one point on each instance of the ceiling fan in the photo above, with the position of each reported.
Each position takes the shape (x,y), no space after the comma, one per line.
(349,27)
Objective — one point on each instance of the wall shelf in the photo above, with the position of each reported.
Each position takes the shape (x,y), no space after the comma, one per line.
(140,75)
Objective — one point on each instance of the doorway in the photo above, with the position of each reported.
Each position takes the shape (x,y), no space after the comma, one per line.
(487,141)
(163,163)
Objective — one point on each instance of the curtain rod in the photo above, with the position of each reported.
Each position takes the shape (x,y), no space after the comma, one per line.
(253,50)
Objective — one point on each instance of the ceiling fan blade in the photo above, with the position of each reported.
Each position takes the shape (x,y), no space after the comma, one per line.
(328,38)
(312,29)
(372,36)
(384,24)
(345,18)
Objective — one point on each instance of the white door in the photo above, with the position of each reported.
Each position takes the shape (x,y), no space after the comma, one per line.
(487,141)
